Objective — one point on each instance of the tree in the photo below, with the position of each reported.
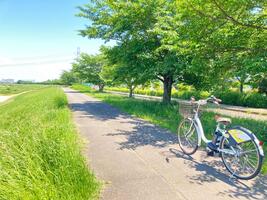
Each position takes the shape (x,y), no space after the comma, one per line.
(263,86)
(68,77)
(124,67)
(198,42)
(148,28)
(88,69)
(232,35)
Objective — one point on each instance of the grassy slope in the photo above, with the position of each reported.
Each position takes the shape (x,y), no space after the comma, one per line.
(17,88)
(167,115)
(39,151)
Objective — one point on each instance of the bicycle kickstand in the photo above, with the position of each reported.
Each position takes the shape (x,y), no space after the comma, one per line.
(232,178)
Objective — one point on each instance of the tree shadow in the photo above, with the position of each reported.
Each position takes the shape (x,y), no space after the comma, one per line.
(258,188)
(97,110)
(213,170)
(74,91)
(144,133)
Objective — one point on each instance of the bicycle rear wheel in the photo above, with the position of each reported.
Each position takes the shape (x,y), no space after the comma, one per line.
(243,160)
(188,137)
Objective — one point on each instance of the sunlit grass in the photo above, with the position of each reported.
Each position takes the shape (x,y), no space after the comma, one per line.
(8,89)
(40,154)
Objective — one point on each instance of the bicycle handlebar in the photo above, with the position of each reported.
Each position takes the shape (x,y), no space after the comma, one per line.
(214,99)
(211,99)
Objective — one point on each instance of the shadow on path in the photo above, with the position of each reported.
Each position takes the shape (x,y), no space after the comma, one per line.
(97,110)
(210,170)
(144,133)
(213,170)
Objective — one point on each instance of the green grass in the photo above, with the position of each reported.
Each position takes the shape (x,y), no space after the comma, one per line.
(9,89)
(167,116)
(40,152)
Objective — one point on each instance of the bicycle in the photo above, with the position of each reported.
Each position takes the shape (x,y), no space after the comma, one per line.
(240,150)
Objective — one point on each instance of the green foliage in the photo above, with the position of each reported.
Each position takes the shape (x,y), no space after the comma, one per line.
(263,86)
(255,100)
(88,69)
(167,115)
(60,101)
(183,94)
(124,68)
(146,35)
(52,82)
(40,151)
(202,43)
(230,38)
(251,99)
(68,77)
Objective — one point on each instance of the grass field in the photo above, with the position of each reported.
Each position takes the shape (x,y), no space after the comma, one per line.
(40,152)
(167,116)
(10,89)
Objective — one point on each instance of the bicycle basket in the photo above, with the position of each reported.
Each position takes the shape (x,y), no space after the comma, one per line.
(187,109)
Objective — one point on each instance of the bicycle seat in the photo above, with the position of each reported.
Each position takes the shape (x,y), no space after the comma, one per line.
(224,120)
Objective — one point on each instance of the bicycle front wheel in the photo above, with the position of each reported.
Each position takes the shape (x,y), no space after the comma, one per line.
(243,160)
(188,137)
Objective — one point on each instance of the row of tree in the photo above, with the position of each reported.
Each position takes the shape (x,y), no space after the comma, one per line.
(203,43)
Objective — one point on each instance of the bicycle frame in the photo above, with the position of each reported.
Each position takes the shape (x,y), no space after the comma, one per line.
(199,128)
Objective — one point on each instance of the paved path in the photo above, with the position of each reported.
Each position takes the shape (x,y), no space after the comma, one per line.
(7,97)
(232,111)
(140,161)
(4,98)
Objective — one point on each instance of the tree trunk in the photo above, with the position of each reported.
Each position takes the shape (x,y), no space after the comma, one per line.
(241,87)
(101,87)
(131,92)
(167,82)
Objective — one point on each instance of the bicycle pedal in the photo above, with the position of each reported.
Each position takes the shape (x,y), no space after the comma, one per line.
(212,146)
(210,153)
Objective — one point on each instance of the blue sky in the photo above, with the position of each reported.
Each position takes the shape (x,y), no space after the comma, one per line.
(39,39)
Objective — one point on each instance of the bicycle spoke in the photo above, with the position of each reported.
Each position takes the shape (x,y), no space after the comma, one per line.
(245,162)
(249,151)
(187,137)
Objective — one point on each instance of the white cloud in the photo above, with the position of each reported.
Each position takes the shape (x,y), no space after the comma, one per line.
(5,61)
(34,71)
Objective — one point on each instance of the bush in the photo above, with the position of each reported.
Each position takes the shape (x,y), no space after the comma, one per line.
(255,100)
(231,98)
(251,99)
(60,101)
(263,86)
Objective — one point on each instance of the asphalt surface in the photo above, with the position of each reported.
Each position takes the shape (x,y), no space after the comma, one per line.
(140,161)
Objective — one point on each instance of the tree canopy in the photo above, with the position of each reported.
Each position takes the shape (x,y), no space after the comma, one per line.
(89,68)
(198,42)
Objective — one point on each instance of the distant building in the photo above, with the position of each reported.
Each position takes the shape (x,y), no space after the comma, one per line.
(7,81)
(25,81)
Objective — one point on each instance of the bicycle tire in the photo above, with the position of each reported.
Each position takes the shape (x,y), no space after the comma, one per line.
(180,141)
(256,170)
